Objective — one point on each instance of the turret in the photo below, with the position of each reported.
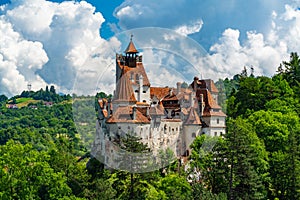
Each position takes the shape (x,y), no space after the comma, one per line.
(131,54)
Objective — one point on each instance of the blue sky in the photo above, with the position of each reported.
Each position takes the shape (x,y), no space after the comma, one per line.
(48,42)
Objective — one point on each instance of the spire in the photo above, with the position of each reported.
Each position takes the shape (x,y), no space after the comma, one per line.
(131,48)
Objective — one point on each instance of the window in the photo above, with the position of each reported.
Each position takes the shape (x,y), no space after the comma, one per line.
(216,134)
(144,101)
(193,135)
(131,76)
(144,91)
(137,77)
(218,121)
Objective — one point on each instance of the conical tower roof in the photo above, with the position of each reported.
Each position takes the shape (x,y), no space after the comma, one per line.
(124,91)
(131,48)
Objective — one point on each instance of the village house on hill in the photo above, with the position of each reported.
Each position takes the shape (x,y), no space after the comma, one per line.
(163,117)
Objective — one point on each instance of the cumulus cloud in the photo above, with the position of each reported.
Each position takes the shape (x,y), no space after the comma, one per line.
(48,43)
(19,60)
(264,52)
(43,42)
(216,15)
(190,28)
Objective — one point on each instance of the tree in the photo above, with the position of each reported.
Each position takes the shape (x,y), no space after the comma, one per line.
(291,70)
(52,89)
(247,160)
(129,183)
(280,134)
(26,174)
(3,98)
(175,187)
(208,159)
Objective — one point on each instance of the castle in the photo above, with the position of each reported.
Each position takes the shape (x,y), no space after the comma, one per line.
(163,117)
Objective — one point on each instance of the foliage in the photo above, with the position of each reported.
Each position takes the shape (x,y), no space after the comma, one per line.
(45,95)
(43,156)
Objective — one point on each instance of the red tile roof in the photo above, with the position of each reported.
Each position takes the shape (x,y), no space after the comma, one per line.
(214,113)
(171,120)
(193,118)
(172,97)
(133,71)
(124,91)
(208,99)
(161,106)
(159,92)
(211,86)
(155,110)
(124,114)
(131,48)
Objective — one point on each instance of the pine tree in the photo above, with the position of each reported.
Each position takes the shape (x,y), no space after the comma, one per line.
(247,161)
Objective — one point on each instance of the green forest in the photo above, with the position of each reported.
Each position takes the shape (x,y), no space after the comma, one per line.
(43,157)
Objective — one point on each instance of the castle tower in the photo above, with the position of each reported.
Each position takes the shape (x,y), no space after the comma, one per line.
(131,54)
(131,66)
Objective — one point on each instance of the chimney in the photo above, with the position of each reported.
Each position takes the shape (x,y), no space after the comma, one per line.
(140,88)
(196,79)
(201,105)
(134,112)
(192,98)
(178,87)
(171,91)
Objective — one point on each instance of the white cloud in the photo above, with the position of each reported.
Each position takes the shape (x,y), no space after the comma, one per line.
(216,15)
(127,11)
(43,42)
(190,28)
(48,43)
(262,51)
(19,60)
(264,33)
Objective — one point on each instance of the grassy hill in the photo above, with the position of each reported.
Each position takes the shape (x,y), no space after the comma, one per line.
(23,101)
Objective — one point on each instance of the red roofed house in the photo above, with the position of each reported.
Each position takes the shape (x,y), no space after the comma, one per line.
(162,116)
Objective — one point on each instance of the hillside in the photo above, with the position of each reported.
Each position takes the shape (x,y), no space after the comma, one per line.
(43,155)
